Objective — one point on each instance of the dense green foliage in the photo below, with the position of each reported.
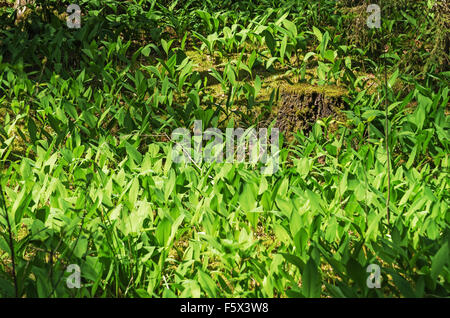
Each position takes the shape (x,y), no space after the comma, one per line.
(86,165)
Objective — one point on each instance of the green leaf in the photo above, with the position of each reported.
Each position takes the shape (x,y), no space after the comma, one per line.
(348,62)
(207,284)
(317,33)
(169,185)
(92,268)
(163,231)
(133,153)
(134,190)
(405,288)
(270,62)
(420,116)
(251,59)
(311,281)
(268,287)
(270,41)
(308,55)
(146,50)
(193,96)
(411,157)
(393,78)
(439,260)
(281,234)
(247,199)
(291,27)
(294,260)
(330,55)
(301,241)
(356,272)
(81,247)
(283,47)
(257,85)
(32,129)
(303,167)
(324,44)
(372,230)
(314,200)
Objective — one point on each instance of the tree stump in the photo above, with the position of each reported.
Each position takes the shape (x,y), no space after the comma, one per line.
(301,108)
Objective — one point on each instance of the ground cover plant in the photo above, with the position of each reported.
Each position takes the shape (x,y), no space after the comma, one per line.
(90,184)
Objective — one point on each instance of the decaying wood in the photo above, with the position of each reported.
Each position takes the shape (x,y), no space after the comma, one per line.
(299,110)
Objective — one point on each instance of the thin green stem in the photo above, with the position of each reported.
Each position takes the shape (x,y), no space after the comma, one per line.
(11,243)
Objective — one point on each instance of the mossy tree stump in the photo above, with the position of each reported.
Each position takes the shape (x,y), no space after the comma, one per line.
(302,105)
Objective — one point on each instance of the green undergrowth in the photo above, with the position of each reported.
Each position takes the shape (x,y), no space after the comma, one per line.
(89,174)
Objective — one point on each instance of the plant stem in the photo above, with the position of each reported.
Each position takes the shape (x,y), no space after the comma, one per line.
(387,134)
(11,243)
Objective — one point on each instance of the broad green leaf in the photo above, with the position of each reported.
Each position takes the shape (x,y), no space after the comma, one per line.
(247,199)
(393,78)
(318,34)
(439,260)
(283,46)
(270,41)
(311,281)
(207,284)
(163,231)
(291,27)
(133,153)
